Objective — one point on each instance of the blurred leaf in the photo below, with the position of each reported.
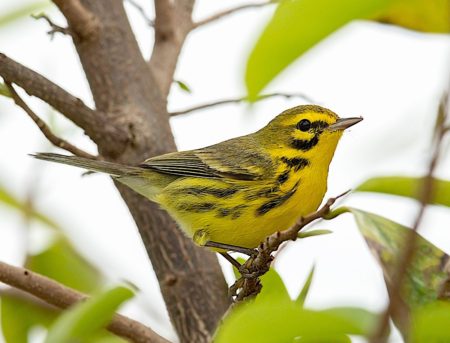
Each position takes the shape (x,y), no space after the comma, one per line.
(430,323)
(183,86)
(4,90)
(87,318)
(420,15)
(22,12)
(365,320)
(281,321)
(386,239)
(407,187)
(8,199)
(296,26)
(236,273)
(62,263)
(20,314)
(305,289)
(312,233)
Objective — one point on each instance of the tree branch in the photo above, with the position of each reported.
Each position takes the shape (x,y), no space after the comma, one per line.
(129,95)
(71,107)
(53,27)
(237,100)
(230,11)
(59,142)
(407,255)
(173,22)
(248,285)
(63,297)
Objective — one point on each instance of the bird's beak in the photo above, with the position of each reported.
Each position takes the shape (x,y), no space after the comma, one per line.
(344,123)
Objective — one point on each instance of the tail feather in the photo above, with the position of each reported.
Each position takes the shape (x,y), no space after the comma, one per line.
(113,169)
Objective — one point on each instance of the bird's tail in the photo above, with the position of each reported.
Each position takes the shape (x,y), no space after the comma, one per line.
(113,169)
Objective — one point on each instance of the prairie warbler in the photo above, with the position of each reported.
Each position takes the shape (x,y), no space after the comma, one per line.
(235,193)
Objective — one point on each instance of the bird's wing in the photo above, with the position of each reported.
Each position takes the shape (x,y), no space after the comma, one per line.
(227,160)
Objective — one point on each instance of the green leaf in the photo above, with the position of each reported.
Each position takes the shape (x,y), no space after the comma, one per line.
(19,314)
(61,262)
(296,26)
(183,86)
(278,321)
(365,320)
(4,90)
(386,239)
(305,289)
(407,187)
(430,323)
(10,200)
(313,233)
(22,12)
(87,318)
(420,15)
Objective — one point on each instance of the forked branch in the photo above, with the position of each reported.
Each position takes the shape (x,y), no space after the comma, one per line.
(248,285)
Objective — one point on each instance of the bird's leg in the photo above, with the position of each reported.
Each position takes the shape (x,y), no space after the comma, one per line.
(230,259)
(229,247)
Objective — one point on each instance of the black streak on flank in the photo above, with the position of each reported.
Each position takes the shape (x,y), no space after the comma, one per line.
(305,145)
(235,212)
(283,177)
(296,163)
(197,207)
(217,192)
(268,192)
(266,207)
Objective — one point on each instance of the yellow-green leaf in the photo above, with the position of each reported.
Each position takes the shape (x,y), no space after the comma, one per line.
(87,318)
(305,289)
(426,275)
(296,26)
(407,187)
(421,15)
(430,323)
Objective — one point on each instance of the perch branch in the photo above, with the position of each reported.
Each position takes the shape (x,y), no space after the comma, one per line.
(407,255)
(230,11)
(248,285)
(59,142)
(238,100)
(63,297)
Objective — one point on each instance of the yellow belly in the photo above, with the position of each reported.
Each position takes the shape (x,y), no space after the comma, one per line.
(242,213)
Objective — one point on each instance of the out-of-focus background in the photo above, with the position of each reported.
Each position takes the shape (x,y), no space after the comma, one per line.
(392,77)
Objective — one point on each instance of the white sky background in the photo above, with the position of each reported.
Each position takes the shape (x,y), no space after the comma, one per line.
(392,77)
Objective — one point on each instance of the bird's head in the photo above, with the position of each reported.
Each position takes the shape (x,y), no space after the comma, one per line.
(308,130)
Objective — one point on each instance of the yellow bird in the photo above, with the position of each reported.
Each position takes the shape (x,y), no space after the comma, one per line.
(231,195)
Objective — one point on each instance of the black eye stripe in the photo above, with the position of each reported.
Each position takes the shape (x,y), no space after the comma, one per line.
(319,124)
(305,125)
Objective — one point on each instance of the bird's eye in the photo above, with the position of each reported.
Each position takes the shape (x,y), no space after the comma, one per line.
(304,125)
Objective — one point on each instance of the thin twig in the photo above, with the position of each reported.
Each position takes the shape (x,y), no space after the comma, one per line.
(141,10)
(63,297)
(54,28)
(248,285)
(226,13)
(59,142)
(408,253)
(238,100)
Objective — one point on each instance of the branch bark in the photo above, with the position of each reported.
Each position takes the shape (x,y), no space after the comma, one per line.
(173,22)
(126,91)
(63,297)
